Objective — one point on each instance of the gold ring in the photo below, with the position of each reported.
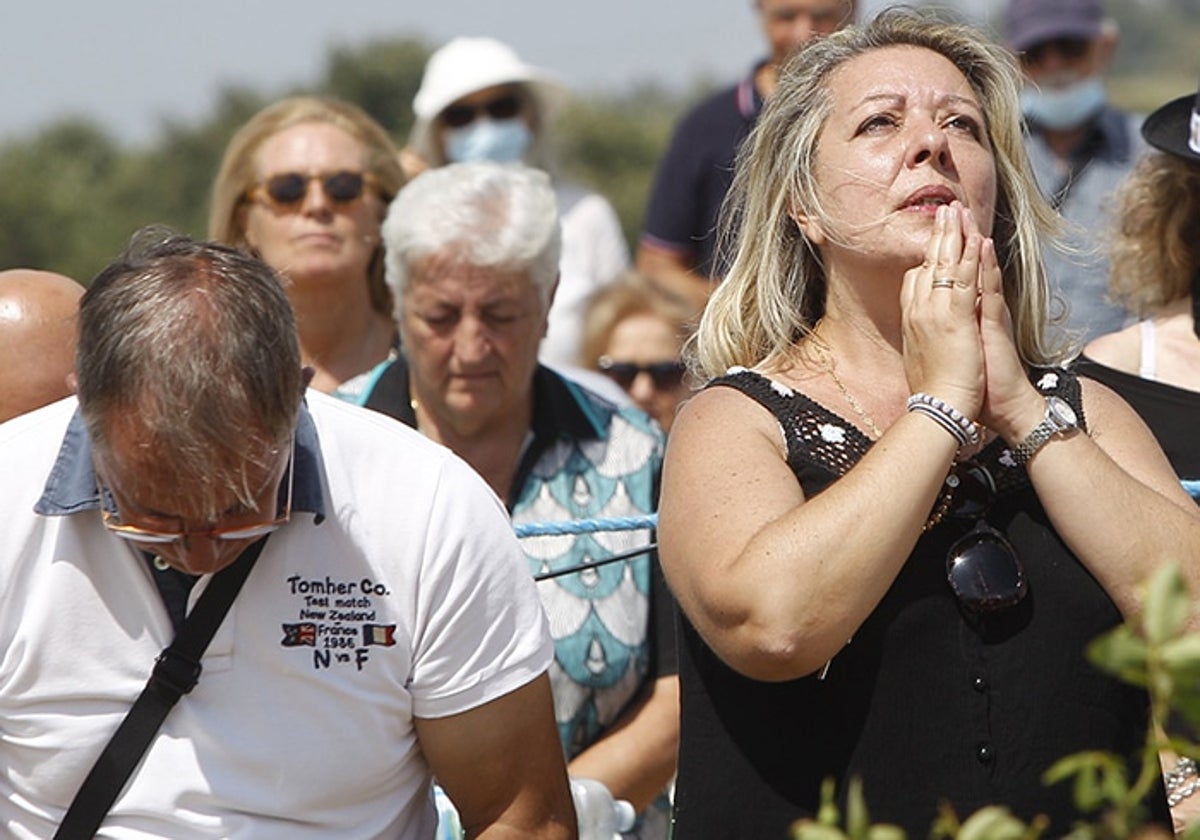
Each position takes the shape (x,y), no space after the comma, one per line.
(943,283)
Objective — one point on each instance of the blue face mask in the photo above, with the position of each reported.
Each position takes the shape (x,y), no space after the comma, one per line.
(1059,109)
(500,141)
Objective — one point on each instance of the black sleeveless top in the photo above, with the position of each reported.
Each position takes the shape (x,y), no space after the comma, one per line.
(927,703)
(1173,414)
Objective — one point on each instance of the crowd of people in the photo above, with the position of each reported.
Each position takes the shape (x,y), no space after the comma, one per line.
(407,505)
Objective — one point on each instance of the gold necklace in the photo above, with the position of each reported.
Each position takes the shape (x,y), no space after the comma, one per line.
(825,359)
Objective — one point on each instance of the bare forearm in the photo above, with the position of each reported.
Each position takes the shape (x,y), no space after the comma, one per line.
(636,759)
(784,602)
(1118,526)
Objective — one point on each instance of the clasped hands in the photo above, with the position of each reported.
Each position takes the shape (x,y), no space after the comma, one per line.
(958,332)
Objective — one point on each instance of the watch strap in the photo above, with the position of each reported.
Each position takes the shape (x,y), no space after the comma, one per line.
(1034,441)
(1050,425)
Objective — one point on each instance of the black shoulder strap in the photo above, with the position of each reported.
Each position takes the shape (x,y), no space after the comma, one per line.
(176,672)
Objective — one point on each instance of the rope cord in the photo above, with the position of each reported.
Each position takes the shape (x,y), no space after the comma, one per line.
(589,526)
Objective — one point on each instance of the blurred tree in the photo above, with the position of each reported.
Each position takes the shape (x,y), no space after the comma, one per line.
(53,203)
(612,144)
(173,180)
(382,77)
(73,195)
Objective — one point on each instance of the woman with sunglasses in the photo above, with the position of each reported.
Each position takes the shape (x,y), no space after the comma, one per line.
(633,333)
(892,522)
(304,185)
(479,101)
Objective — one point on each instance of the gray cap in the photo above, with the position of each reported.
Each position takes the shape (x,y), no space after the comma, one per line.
(1033,22)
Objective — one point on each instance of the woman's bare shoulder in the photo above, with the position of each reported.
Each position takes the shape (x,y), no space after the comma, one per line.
(1119,350)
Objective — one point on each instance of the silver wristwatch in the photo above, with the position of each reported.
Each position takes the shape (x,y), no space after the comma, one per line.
(1059,418)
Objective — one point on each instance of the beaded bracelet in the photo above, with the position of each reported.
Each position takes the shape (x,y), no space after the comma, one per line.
(964,430)
(1182,781)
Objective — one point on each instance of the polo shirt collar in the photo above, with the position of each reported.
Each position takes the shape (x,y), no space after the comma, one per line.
(561,410)
(748,100)
(71,486)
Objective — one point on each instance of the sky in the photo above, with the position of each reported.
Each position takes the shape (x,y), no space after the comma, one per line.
(132,64)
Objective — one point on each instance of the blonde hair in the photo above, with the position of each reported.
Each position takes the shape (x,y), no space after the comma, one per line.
(1156,240)
(237,175)
(774,292)
(632,294)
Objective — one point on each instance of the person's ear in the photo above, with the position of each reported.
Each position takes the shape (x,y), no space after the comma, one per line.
(1105,44)
(809,227)
(73,382)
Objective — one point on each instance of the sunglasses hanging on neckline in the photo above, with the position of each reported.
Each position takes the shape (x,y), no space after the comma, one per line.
(983,568)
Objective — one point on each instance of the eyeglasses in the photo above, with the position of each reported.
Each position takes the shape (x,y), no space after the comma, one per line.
(501,108)
(664,375)
(982,567)
(111,518)
(289,188)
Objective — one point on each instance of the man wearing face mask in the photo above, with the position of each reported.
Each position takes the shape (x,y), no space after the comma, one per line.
(478,101)
(1080,146)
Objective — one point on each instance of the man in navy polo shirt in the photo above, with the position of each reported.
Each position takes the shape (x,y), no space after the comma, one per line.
(679,232)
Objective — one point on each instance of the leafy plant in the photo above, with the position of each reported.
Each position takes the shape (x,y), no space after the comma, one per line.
(1155,651)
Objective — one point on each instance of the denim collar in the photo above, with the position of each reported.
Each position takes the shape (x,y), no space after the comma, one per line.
(71,486)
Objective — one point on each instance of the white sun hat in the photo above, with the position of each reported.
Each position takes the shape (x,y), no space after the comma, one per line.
(465,65)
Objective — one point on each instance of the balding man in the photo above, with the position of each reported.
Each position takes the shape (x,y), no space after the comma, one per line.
(37,338)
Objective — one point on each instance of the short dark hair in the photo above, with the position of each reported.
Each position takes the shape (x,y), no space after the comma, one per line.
(197,341)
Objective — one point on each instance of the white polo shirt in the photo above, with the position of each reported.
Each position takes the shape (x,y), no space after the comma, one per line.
(397,591)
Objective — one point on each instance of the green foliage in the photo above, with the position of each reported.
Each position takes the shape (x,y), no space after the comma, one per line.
(70,165)
(73,194)
(858,820)
(612,144)
(1155,650)
(382,77)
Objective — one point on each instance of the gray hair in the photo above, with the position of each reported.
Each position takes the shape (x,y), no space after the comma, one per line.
(774,291)
(489,215)
(198,343)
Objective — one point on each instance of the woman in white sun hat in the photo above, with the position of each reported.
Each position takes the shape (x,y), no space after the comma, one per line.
(479,101)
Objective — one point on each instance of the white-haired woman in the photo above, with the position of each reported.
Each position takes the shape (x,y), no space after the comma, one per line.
(478,101)
(892,523)
(472,257)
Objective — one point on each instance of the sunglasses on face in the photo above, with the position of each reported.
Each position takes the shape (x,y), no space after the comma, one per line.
(289,188)
(111,517)
(664,375)
(982,567)
(501,108)
(1070,49)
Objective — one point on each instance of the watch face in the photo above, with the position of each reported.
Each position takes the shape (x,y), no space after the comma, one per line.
(1061,413)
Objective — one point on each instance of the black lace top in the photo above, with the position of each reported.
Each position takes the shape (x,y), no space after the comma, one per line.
(927,703)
